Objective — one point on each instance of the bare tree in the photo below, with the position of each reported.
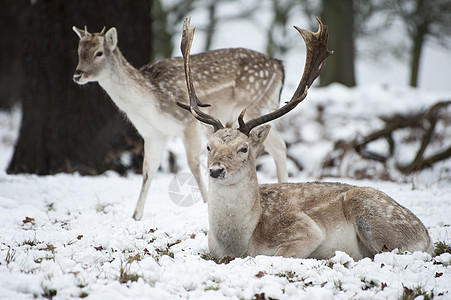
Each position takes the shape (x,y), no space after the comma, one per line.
(215,16)
(423,19)
(278,42)
(165,18)
(339,16)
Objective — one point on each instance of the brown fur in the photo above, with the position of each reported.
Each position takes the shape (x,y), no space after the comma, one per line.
(312,219)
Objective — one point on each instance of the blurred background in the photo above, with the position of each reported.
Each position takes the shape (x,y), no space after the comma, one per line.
(68,128)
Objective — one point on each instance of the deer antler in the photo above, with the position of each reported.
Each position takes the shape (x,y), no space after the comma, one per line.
(193,107)
(316,44)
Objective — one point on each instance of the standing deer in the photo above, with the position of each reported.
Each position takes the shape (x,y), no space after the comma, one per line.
(292,219)
(233,79)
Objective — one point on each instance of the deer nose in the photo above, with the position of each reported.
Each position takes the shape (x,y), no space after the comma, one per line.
(218,172)
(77,75)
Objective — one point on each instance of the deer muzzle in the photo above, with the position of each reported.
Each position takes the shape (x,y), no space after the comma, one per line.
(217,172)
(77,76)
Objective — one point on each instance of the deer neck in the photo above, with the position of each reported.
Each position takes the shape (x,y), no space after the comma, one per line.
(234,211)
(124,83)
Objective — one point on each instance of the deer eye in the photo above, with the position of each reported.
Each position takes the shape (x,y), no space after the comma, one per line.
(243,149)
(99,53)
(208,148)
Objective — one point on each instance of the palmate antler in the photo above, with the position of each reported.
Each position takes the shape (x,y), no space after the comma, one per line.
(316,44)
(185,46)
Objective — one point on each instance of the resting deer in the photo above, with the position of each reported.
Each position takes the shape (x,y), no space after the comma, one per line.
(233,78)
(292,219)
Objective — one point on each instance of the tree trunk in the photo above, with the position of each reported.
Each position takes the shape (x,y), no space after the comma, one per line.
(162,38)
(211,26)
(339,17)
(418,41)
(12,17)
(66,127)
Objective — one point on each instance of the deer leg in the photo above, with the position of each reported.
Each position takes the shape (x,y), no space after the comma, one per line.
(193,144)
(153,151)
(277,148)
(296,249)
(382,224)
(304,245)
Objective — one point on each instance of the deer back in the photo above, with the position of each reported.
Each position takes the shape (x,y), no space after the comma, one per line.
(229,79)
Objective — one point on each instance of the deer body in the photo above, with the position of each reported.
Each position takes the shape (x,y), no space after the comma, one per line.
(301,220)
(233,78)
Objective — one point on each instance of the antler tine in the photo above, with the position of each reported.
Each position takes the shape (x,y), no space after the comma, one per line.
(193,107)
(316,44)
(103,31)
(86,30)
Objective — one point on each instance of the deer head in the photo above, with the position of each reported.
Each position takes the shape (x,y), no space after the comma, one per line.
(232,151)
(95,52)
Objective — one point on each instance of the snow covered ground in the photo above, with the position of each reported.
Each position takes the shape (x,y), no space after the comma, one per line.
(67,236)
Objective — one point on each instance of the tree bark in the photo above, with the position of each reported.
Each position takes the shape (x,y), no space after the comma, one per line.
(12,17)
(339,17)
(65,127)
(211,26)
(418,41)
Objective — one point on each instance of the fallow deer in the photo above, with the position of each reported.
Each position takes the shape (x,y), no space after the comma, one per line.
(312,219)
(233,79)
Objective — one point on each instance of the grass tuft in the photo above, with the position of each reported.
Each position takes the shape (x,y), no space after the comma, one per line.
(10,255)
(410,294)
(441,247)
(369,284)
(49,293)
(30,242)
(125,275)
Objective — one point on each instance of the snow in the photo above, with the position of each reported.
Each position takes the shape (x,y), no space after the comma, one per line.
(66,236)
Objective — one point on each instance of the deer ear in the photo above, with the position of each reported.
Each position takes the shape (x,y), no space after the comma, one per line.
(111,38)
(258,135)
(79,32)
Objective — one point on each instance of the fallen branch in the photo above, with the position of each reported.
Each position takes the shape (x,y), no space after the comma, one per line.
(426,121)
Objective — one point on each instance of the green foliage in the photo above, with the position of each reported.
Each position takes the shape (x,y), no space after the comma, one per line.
(410,294)
(441,247)
(30,242)
(369,284)
(49,293)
